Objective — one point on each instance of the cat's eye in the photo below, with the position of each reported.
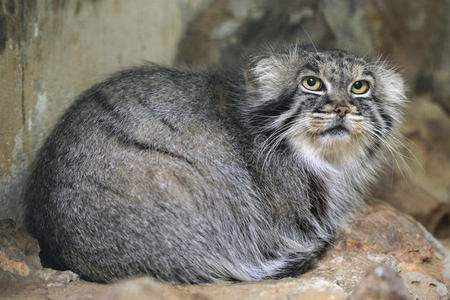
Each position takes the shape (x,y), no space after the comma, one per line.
(312,83)
(360,87)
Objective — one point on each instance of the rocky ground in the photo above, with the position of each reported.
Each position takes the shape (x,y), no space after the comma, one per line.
(383,254)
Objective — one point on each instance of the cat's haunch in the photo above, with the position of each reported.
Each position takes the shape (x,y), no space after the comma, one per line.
(200,177)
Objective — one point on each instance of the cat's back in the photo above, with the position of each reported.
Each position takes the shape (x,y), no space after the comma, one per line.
(126,116)
(137,109)
(132,124)
(149,92)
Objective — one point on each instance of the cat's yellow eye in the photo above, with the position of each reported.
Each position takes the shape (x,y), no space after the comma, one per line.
(360,87)
(312,83)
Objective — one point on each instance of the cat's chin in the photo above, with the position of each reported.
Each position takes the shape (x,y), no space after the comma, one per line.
(336,146)
(335,133)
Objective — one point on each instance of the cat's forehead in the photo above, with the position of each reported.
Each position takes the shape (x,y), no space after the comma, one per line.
(334,57)
(336,64)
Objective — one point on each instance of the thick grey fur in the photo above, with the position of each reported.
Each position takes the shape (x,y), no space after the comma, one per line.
(193,177)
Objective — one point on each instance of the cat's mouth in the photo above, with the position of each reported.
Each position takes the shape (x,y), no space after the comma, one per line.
(338,130)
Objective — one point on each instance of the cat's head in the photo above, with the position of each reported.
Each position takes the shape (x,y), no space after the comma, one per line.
(323,104)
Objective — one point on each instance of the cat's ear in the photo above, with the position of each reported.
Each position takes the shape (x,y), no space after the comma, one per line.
(391,84)
(255,66)
(266,74)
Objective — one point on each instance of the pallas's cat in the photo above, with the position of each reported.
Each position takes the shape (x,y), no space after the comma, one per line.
(198,177)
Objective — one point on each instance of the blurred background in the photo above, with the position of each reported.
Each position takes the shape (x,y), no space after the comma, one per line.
(51,50)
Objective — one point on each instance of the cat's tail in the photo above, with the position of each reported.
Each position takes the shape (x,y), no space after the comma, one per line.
(283,264)
(297,263)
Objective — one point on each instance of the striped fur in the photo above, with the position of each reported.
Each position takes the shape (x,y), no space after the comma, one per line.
(192,177)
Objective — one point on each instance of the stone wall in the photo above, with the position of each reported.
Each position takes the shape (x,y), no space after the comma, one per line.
(51,50)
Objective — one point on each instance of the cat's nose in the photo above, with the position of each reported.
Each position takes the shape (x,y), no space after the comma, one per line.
(342,110)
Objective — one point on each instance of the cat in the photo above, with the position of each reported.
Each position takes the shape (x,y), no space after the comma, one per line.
(194,177)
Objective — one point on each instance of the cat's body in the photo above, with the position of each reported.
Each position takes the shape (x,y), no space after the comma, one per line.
(190,177)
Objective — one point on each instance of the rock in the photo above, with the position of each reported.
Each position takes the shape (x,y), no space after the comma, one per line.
(446,243)
(18,251)
(229,28)
(347,22)
(383,236)
(380,283)
(293,289)
(22,275)
(428,287)
(383,259)
(55,278)
(142,288)
(414,35)
(225,30)
(14,267)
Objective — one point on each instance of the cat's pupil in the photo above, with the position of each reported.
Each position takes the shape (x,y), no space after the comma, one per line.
(311,81)
(357,85)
